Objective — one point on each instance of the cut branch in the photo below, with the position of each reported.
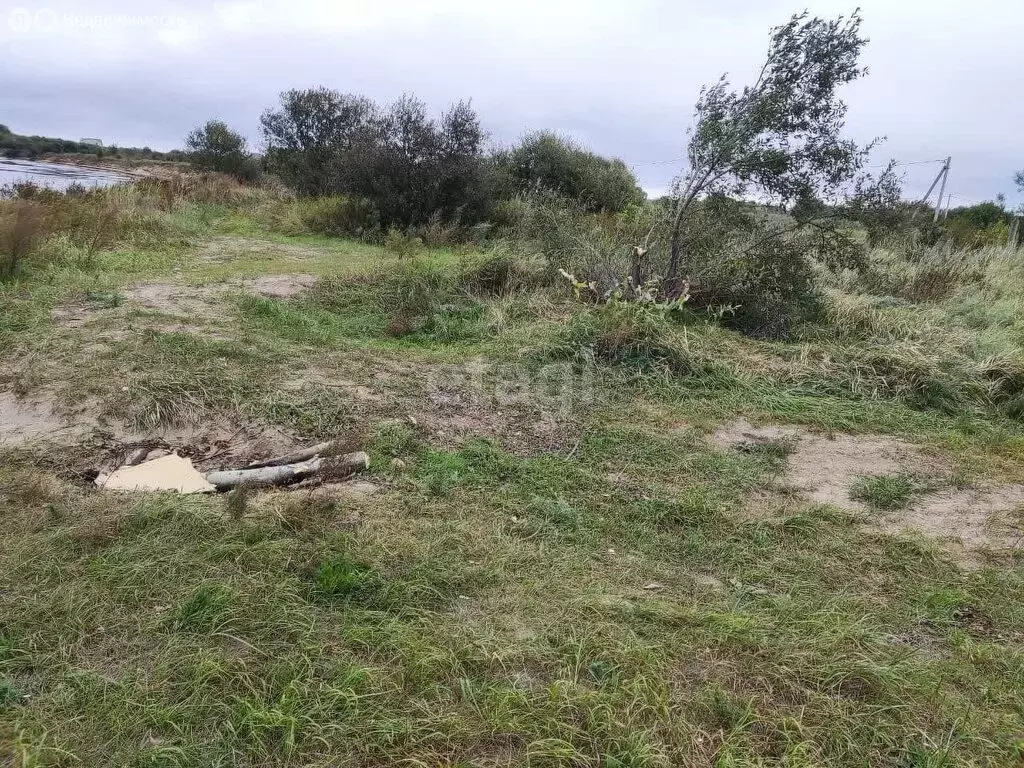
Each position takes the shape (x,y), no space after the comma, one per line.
(335,467)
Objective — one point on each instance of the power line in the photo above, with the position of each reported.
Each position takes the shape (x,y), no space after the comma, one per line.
(898,164)
(661,162)
(880,165)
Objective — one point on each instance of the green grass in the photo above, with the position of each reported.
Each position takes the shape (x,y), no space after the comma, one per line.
(504,618)
(613,595)
(884,491)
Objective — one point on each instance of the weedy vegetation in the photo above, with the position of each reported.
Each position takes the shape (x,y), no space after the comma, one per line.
(565,552)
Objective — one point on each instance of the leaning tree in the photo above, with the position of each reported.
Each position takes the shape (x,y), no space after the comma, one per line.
(778,142)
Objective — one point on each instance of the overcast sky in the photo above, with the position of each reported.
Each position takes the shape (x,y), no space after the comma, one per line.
(947,76)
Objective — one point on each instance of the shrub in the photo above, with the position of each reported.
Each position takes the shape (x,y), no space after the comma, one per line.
(402,245)
(595,248)
(499,273)
(437,232)
(548,161)
(410,166)
(215,147)
(744,275)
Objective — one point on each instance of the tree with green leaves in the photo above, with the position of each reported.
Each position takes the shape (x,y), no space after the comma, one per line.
(213,146)
(308,137)
(778,141)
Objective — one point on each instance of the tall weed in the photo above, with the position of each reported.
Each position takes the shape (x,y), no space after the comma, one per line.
(22,226)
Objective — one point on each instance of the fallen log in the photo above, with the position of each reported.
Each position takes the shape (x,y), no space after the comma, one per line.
(334,467)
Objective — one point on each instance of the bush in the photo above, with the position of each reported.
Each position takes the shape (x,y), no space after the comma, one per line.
(548,161)
(414,169)
(743,274)
(402,245)
(762,289)
(593,247)
(215,147)
(976,226)
(437,233)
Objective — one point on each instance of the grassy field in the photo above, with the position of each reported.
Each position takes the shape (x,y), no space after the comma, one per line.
(579,543)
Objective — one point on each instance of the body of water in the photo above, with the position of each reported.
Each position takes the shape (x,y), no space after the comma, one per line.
(56,175)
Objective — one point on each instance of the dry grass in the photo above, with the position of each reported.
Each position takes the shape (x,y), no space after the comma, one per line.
(22,226)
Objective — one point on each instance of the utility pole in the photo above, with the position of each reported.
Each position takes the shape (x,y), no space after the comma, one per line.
(944,173)
(941,175)
(945,211)
(1011,241)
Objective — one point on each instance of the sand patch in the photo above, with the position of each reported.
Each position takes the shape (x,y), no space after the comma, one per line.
(175,298)
(823,468)
(25,421)
(182,299)
(980,518)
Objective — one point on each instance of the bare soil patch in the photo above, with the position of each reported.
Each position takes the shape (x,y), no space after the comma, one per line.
(182,299)
(89,444)
(977,518)
(823,468)
(175,298)
(25,420)
(199,309)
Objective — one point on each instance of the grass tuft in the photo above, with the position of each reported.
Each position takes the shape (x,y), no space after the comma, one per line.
(884,491)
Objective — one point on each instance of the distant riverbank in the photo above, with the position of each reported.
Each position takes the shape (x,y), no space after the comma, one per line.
(58,175)
(62,171)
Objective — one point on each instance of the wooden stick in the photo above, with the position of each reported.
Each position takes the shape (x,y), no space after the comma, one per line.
(303,454)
